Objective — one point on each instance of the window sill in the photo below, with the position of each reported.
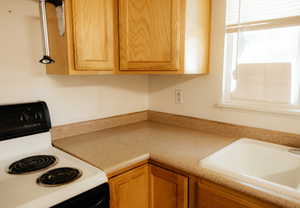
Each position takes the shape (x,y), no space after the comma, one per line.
(273,110)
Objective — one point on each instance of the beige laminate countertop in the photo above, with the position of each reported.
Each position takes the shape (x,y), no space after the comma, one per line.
(120,147)
(116,148)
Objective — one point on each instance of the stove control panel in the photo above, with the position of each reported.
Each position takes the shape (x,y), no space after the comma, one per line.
(23,119)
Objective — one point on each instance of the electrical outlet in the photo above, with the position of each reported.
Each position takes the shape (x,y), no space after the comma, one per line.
(178,96)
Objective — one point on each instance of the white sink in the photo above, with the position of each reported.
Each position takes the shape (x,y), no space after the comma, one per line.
(263,164)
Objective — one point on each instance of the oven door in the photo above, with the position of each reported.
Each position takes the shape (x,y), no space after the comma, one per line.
(95,198)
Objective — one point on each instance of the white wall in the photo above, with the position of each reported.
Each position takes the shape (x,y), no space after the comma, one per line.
(80,98)
(202,93)
(70,99)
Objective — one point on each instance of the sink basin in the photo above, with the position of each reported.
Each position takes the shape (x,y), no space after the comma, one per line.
(263,164)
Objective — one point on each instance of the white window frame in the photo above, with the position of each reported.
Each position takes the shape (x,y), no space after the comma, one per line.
(226,100)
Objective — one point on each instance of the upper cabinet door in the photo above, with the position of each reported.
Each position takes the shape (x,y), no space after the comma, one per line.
(95,34)
(151,34)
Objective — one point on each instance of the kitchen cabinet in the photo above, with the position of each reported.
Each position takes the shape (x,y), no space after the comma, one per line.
(149,186)
(210,195)
(164,37)
(167,189)
(130,189)
(90,42)
(155,37)
(151,34)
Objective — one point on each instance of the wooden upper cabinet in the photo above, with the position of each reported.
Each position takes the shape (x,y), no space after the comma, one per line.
(167,189)
(164,37)
(131,37)
(151,34)
(93,34)
(90,43)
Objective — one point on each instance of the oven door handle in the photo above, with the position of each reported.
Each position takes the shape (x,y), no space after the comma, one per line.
(99,204)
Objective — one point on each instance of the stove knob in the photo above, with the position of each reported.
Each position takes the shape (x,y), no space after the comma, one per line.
(40,115)
(26,117)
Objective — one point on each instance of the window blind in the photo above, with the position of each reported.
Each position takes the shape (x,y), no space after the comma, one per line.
(261,14)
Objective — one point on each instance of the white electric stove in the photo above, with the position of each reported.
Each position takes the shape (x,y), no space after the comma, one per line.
(34,174)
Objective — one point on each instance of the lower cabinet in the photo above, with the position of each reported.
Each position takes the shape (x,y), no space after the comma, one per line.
(210,195)
(149,186)
(167,189)
(130,189)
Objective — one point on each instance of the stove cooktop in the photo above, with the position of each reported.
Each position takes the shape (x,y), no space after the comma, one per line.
(28,193)
(32,164)
(59,176)
(54,177)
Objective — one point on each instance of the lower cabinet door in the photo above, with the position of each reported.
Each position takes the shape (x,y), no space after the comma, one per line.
(210,195)
(167,189)
(130,189)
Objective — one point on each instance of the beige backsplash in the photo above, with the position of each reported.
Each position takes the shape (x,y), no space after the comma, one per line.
(226,129)
(203,125)
(85,127)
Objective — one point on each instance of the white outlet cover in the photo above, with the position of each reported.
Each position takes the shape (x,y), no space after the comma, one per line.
(178,96)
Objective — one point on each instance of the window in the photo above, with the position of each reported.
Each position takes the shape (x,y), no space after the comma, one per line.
(262,54)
